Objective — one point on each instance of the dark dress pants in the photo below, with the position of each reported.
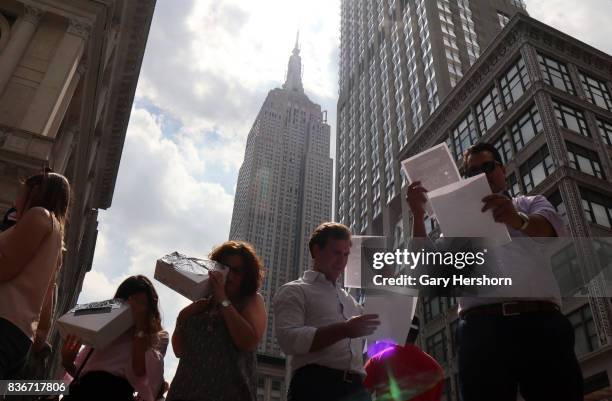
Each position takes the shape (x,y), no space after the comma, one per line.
(320,383)
(530,353)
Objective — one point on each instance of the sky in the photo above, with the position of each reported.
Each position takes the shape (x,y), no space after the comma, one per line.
(207,68)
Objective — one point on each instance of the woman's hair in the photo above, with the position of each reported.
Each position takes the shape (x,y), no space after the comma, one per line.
(253,268)
(50,191)
(141,284)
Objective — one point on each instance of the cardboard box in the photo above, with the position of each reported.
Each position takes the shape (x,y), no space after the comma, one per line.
(97,324)
(187,276)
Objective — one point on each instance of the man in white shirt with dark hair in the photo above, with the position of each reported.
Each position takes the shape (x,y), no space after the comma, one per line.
(321,326)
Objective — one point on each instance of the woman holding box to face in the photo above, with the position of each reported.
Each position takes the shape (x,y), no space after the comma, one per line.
(30,257)
(132,362)
(216,338)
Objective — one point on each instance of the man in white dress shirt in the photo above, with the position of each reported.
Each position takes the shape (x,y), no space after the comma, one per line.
(321,326)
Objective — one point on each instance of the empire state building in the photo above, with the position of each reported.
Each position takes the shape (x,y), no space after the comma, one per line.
(284,188)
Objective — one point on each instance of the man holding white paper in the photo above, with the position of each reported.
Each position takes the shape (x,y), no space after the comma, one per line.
(321,326)
(506,345)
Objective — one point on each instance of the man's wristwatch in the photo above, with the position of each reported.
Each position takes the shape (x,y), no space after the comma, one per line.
(525,219)
(225,303)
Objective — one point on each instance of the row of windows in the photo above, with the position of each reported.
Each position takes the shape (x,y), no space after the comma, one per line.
(571,118)
(597,207)
(536,168)
(556,74)
(584,160)
(596,91)
(529,125)
(488,109)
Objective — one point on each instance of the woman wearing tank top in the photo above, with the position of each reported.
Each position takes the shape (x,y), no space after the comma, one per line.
(216,338)
(30,257)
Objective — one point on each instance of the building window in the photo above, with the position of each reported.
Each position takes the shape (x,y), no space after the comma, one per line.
(464,135)
(430,224)
(597,207)
(566,269)
(488,110)
(513,185)
(536,169)
(453,332)
(557,201)
(503,19)
(504,148)
(605,129)
(584,330)
(571,118)
(555,74)
(584,160)
(447,394)
(432,307)
(596,91)
(514,83)
(436,346)
(526,128)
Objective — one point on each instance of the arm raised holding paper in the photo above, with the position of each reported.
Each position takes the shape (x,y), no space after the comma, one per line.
(477,160)
(504,211)
(534,221)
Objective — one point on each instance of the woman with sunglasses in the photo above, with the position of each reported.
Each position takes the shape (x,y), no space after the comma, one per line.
(216,338)
(131,363)
(30,258)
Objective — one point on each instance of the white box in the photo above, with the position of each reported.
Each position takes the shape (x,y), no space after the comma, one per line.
(187,276)
(97,324)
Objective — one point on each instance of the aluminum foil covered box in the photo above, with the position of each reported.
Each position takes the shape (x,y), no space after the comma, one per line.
(187,276)
(97,324)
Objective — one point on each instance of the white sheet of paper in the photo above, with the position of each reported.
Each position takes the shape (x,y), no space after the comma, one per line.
(352,273)
(434,167)
(395,312)
(458,211)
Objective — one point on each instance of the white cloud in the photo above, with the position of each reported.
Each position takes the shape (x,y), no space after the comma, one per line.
(160,206)
(585,20)
(210,63)
(97,286)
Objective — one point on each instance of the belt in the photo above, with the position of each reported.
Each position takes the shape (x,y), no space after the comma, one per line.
(510,309)
(347,376)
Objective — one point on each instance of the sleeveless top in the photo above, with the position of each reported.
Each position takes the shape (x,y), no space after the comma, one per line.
(212,368)
(29,287)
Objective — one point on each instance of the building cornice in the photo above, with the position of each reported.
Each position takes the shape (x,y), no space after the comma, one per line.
(135,25)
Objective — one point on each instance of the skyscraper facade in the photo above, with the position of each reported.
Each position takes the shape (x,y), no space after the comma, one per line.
(284,185)
(398,60)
